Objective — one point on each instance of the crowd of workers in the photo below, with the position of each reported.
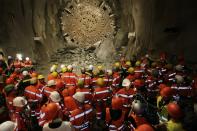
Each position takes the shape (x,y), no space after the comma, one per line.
(137,95)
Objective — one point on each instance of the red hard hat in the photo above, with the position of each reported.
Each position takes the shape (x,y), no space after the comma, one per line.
(9,80)
(166,92)
(51,110)
(144,127)
(1,70)
(117,103)
(138,83)
(161,86)
(174,110)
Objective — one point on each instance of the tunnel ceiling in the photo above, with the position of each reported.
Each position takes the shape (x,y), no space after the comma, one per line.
(88,21)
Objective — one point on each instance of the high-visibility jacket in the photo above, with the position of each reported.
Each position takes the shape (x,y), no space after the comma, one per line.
(116,79)
(126,95)
(108,81)
(20,121)
(80,118)
(69,78)
(88,94)
(87,80)
(130,77)
(94,82)
(100,96)
(47,91)
(70,103)
(65,126)
(115,125)
(69,91)
(33,94)
(139,120)
(40,86)
(182,90)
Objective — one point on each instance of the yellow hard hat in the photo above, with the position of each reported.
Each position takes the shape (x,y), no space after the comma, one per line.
(64,69)
(131,70)
(138,63)
(100,82)
(54,74)
(117,65)
(128,63)
(40,77)
(80,83)
(100,67)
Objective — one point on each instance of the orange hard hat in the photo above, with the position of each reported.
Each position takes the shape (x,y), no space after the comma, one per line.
(144,127)
(59,84)
(9,80)
(117,103)
(138,83)
(174,110)
(166,92)
(51,110)
(34,74)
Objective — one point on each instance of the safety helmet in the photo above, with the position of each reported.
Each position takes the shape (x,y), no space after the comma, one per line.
(131,70)
(51,83)
(79,96)
(9,80)
(179,79)
(70,67)
(53,68)
(161,86)
(25,73)
(174,110)
(9,57)
(7,126)
(40,77)
(117,65)
(100,68)
(8,88)
(54,74)
(144,127)
(117,103)
(128,63)
(126,83)
(64,69)
(109,72)
(33,80)
(137,63)
(90,67)
(100,82)
(179,67)
(62,66)
(166,92)
(34,74)
(59,84)
(137,107)
(51,110)
(19,101)
(80,82)
(55,96)
(27,59)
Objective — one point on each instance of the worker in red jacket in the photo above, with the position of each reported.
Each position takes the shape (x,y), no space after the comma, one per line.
(51,86)
(86,78)
(100,97)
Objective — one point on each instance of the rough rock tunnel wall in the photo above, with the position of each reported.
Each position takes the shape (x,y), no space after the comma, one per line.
(33,27)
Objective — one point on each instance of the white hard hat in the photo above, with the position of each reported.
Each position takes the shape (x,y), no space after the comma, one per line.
(70,67)
(25,73)
(27,59)
(126,82)
(79,96)
(7,126)
(137,107)
(55,96)
(90,67)
(19,101)
(179,67)
(9,57)
(109,72)
(53,68)
(51,83)
(179,79)
(62,66)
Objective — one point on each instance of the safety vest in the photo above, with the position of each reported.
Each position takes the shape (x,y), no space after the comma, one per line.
(101,94)
(116,79)
(88,94)
(69,78)
(87,80)
(126,95)
(117,125)
(80,119)
(33,94)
